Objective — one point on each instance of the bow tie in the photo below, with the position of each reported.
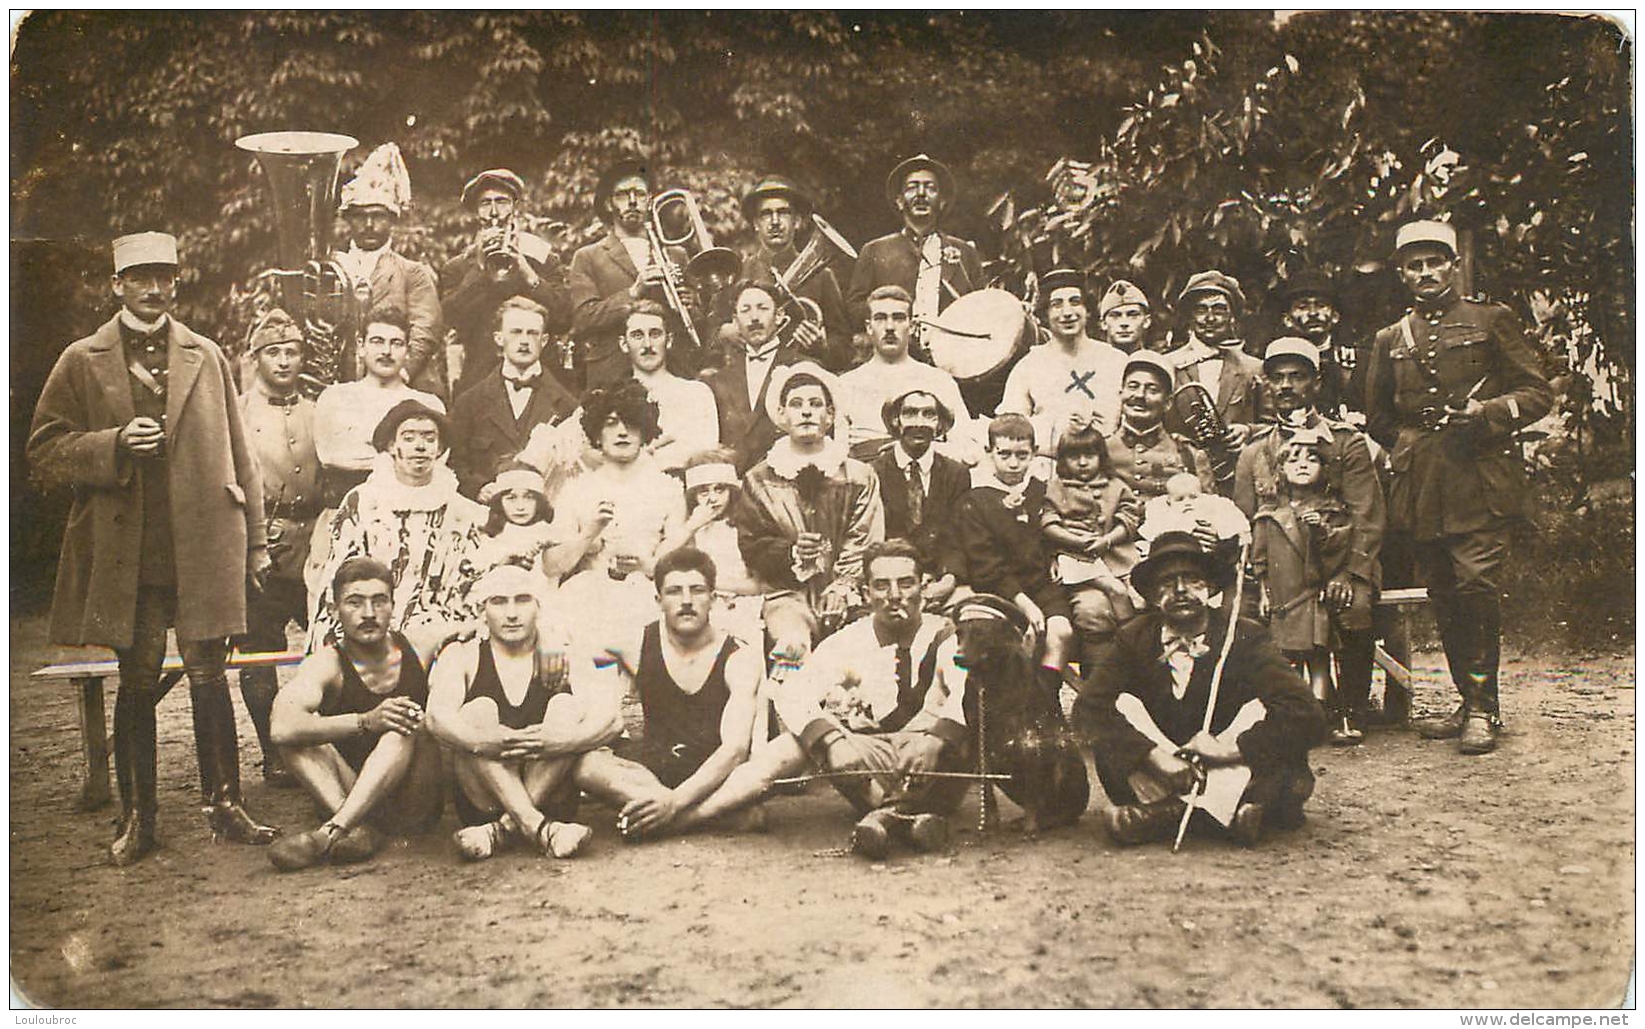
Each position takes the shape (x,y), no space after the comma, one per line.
(764,355)
(528,382)
(1172,644)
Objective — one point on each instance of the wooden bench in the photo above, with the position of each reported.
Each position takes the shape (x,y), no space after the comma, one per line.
(1402,599)
(95,740)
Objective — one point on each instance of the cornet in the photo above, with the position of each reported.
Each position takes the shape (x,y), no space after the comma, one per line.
(501,251)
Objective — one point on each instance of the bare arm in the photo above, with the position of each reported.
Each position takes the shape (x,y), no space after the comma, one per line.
(296,720)
(447,686)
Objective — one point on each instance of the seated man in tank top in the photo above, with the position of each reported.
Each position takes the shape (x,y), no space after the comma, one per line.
(350,728)
(697,687)
(516,729)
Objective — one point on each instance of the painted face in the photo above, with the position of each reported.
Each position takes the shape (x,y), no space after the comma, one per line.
(1212,315)
(384,347)
(495,206)
(370,227)
(1066,313)
(810,414)
(619,441)
(1293,384)
(1144,398)
(278,365)
(415,445)
(1125,326)
(685,596)
(890,326)
(364,610)
(1427,269)
(775,221)
(918,422)
(630,203)
(511,618)
(1181,591)
(921,196)
(520,338)
(1011,457)
(1302,466)
(895,591)
(755,316)
(715,496)
(645,341)
(147,290)
(520,506)
(1312,316)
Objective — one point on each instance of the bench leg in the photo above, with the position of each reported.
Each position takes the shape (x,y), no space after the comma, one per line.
(88,703)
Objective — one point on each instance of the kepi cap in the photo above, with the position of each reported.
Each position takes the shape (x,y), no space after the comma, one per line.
(1120,294)
(1153,361)
(1412,233)
(1291,346)
(1311,282)
(142,248)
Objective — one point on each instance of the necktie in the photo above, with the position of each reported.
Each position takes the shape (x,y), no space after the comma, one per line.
(905,672)
(916,495)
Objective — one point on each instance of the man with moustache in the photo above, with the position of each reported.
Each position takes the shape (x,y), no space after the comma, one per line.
(892,372)
(778,211)
(609,277)
(351,725)
(1448,385)
(1071,381)
(739,385)
(1143,452)
(921,489)
(686,416)
(492,421)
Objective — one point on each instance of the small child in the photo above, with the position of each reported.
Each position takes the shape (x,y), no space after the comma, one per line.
(518,530)
(1301,543)
(710,484)
(1000,546)
(1183,507)
(1090,519)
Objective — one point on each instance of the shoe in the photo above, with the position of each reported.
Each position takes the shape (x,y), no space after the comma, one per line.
(1346,734)
(928,832)
(478,842)
(306,849)
(360,843)
(218,749)
(1478,735)
(1131,824)
(1246,828)
(562,839)
(229,820)
(1446,727)
(134,840)
(872,835)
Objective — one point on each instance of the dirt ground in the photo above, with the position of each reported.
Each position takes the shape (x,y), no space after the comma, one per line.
(1422,879)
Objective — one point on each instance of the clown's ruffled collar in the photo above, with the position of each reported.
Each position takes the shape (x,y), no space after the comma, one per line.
(787,462)
(381,489)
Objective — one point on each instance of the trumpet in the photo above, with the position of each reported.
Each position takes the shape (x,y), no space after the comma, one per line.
(676,222)
(499,252)
(1196,407)
(825,245)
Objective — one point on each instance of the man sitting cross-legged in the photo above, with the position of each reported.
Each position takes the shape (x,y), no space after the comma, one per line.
(516,730)
(350,728)
(697,685)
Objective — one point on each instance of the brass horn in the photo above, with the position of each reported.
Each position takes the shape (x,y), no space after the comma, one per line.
(302,170)
(825,245)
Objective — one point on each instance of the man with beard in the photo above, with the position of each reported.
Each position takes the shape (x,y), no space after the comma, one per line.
(892,372)
(408,515)
(1071,381)
(740,384)
(609,277)
(517,731)
(1293,381)
(492,421)
(502,261)
(931,266)
(165,528)
(921,489)
(1143,452)
(777,209)
(697,686)
(1214,356)
(1448,386)
(1143,702)
(686,417)
(351,725)
(372,203)
(1313,309)
(1123,316)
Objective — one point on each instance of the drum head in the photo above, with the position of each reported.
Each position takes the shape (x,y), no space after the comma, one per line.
(979,334)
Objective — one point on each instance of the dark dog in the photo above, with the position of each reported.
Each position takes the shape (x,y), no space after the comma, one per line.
(1024,733)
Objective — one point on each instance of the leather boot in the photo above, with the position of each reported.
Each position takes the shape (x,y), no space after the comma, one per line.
(257,688)
(1444,727)
(134,766)
(219,753)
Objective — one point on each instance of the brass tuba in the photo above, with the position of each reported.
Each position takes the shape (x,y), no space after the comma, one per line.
(1203,425)
(302,170)
(824,246)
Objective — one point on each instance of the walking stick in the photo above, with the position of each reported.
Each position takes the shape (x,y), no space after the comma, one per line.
(1216,684)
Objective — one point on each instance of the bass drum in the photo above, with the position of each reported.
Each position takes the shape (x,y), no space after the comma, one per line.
(979,334)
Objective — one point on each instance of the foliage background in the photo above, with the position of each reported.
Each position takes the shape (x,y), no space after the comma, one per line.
(1232,139)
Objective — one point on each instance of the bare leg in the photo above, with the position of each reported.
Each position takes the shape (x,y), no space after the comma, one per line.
(384,768)
(322,772)
(749,781)
(615,780)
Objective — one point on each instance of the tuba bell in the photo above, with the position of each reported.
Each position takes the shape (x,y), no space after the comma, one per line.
(302,170)
(824,246)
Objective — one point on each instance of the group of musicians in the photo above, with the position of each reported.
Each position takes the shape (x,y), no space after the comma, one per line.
(812,529)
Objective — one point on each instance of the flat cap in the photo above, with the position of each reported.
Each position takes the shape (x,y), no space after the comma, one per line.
(495,178)
(142,248)
(1214,281)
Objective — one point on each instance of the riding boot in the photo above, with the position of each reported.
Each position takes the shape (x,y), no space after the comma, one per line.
(257,688)
(134,769)
(219,751)
(1456,635)
(1484,613)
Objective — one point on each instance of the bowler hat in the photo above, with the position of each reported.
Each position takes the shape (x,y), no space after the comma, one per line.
(775,186)
(920,162)
(383,436)
(495,178)
(1310,282)
(889,410)
(1174,548)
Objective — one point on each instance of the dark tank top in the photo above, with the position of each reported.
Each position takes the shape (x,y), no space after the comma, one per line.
(673,717)
(529,711)
(354,698)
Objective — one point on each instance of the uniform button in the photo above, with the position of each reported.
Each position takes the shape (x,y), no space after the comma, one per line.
(1433,338)
(1433,389)
(299,498)
(296,469)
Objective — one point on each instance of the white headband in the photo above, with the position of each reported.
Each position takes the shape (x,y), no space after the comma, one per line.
(708,474)
(515,478)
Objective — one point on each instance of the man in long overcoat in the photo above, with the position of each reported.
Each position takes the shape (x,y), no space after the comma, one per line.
(140,420)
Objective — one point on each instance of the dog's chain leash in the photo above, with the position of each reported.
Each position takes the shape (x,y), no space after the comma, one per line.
(987,813)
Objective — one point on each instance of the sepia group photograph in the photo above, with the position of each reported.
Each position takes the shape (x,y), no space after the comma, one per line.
(822,509)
